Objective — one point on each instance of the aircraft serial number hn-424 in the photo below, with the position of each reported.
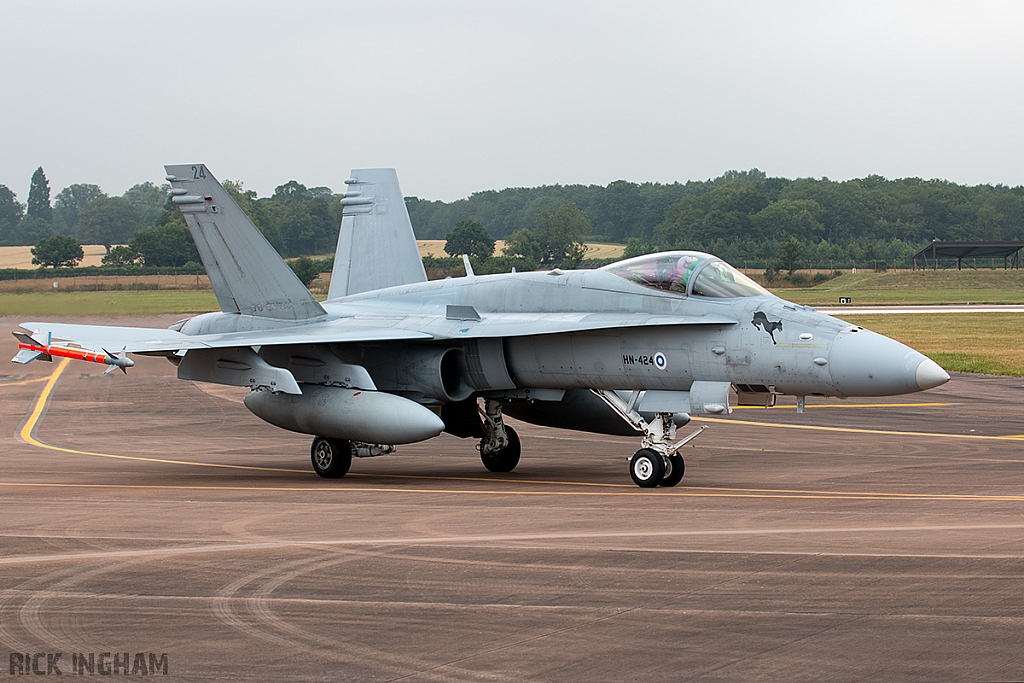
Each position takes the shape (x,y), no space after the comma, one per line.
(636,347)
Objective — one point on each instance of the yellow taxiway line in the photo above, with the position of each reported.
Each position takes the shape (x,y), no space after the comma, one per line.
(27,435)
(848,405)
(684,492)
(24,382)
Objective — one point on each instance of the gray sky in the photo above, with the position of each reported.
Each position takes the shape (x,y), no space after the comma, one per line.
(467,96)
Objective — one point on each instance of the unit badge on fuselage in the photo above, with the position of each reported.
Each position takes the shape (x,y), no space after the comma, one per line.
(769,326)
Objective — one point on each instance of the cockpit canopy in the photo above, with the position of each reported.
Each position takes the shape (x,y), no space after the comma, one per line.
(687,273)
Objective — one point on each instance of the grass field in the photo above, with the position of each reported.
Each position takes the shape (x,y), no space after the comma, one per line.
(915,287)
(39,305)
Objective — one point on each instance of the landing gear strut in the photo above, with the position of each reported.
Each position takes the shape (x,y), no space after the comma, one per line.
(500,447)
(658,462)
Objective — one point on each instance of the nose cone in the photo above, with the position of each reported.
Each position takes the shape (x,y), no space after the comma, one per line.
(864,363)
(930,375)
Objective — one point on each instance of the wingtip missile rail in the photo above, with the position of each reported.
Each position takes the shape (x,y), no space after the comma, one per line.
(30,349)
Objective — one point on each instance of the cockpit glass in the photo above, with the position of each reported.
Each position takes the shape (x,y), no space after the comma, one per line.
(670,271)
(674,271)
(720,280)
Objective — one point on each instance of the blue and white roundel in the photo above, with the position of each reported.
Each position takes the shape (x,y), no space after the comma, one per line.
(660,361)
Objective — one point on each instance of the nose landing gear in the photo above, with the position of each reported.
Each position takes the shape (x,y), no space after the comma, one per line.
(658,462)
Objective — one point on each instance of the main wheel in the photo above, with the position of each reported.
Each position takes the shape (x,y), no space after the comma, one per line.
(673,471)
(647,468)
(331,457)
(507,458)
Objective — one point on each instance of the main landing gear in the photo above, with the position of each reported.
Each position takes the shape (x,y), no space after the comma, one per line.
(331,457)
(658,462)
(500,448)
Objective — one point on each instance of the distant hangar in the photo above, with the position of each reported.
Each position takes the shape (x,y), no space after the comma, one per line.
(959,252)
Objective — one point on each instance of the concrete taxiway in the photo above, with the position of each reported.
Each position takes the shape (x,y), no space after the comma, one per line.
(861,540)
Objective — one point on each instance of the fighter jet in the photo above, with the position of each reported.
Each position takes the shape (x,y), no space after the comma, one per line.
(390,358)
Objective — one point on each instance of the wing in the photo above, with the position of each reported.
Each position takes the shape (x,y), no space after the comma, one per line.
(361,329)
(146,339)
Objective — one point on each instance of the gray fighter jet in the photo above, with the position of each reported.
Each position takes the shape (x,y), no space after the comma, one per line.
(636,347)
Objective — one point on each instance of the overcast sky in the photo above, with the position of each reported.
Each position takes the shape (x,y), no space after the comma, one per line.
(468,96)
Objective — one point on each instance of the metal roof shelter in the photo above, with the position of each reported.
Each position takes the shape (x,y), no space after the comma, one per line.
(1008,251)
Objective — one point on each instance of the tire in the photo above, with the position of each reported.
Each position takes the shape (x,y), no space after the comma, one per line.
(674,471)
(331,458)
(507,458)
(646,468)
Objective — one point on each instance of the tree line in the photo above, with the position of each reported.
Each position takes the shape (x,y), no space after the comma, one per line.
(745,217)
(754,220)
(151,231)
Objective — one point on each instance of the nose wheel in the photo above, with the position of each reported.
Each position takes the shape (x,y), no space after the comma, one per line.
(646,468)
(649,469)
(674,469)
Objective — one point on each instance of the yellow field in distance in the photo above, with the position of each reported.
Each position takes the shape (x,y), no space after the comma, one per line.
(21,257)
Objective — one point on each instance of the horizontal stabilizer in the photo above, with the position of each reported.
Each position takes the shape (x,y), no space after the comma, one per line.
(376,245)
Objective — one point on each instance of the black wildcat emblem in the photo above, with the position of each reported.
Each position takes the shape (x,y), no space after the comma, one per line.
(769,326)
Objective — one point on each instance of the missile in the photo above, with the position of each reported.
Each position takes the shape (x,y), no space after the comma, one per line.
(357,415)
(29,350)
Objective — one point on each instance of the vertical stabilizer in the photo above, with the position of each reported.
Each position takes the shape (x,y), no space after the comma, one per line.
(376,245)
(247,274)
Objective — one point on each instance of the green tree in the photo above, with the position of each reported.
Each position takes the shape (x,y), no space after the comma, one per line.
(305,268)
(292,192)
(790,216)
(148,199)
(121,255)
(469,237)
(617,210)
(246,200)
(107,221)
(10,208)
(59,251)
(70,201)
(39,196)
(561,233)
(791,251)
(524,244)
(29,230)
(826,254)
(11,213)
(170,244)
(635,247)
